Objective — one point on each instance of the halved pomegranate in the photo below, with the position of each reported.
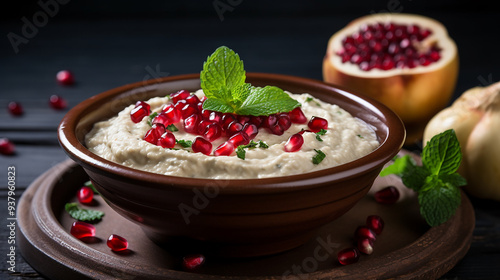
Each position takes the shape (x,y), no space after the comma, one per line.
(408,62)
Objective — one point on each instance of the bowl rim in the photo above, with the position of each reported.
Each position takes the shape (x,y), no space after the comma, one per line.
(387,149)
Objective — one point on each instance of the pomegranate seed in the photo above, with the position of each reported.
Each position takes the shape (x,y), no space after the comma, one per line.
(365,246)
(257,120)
(117,243)
(348,256)
(166,140)
(201,145)
(284,121)
(85,195)
(191,123)
(179,104)
(193,262)
(294,143)
(212,132)
(225,149)
(276,129)
(57,102)
(15,108)
(425,33)
(365,232)
(387,64)
(200,106)
(202,126)
(316,124)
(215,117)
(388,195)
(270,121)
(233,128)
(375,223)
(243,119)
(226,120)
(205,114)
(240,138)
(181,94)
(188,110)
(138,113)
(192,99)
(65,77)
(297,116)
(173,114)
(251,130)
(81,230)
(6,147)
(151,136)
(159,129)
(162,118)
(203,98)
(143,104)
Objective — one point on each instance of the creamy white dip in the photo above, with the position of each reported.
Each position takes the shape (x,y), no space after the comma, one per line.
(347,138)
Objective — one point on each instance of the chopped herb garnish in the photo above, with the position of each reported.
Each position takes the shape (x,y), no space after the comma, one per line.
(172,128)
(319,134)
(263,144)
(319,157)
(240,150)
(151,117)
(359,135)
(309,99)
(184,143)
(84,215)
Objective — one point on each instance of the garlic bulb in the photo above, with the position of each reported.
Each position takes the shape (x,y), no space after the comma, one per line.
(475,117)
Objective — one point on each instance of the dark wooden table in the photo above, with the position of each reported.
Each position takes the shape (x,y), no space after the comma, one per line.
(107,52)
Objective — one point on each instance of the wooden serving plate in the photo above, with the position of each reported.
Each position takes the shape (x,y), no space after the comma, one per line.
(407,248)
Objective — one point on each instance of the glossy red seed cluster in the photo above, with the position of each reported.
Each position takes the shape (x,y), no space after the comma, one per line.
(186,110)
(82,230)
(365,236)
(85,195)
(6,147)
(117,243)
(388,46)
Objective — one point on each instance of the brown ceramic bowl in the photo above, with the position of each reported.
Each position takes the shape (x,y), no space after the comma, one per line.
(241,217)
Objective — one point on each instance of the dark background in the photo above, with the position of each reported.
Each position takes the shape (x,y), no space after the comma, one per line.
(111,43)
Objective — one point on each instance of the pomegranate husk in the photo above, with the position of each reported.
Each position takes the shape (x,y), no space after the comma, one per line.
(415,95)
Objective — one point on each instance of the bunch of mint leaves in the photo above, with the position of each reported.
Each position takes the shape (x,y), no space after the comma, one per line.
(223,82)
(436,181)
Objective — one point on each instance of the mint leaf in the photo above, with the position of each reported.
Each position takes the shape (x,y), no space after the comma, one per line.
(172,128)
(84,215)
(439,203)
(319,157)
(414,177)
(442,154)
(240,152)
(184,143)
(263,144)
(218,105)
(151,117)
(319,134)
(398,167)
(266,101)
(222,72)
(90,185)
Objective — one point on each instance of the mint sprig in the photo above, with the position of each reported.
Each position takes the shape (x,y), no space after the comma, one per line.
(223,82)
(84,215)
(240,150)
(436,181)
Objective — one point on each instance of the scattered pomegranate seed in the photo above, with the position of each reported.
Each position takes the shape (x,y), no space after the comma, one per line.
(316,124)
(251,130)
(276,129)
(202,126)
(388,195)
(233,128)
(193,262)
(138,113)
(297,116)
(180,104)
(348,256)
(166,140)
(192,99)
(191,124)
(240,138)
(6,147)
(57,102)
(117,243)
(181,94)
(188,110)
(375,223)
(205,114)
(294,143)
(365,246)
(172,114)
(65,77)
(144,105)
(257,120)
(81,230)
(243,119)
(270,121)
(151,136)
(226,120)
(85,195)
(225,149)
(212,132)
(15,108)
(201,145)
(284,121)
(215,117)
(364,232)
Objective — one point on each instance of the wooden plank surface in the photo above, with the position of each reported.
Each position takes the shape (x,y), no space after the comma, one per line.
(107,52)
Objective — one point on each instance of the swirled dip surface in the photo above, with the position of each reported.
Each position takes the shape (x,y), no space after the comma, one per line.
(347,138)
